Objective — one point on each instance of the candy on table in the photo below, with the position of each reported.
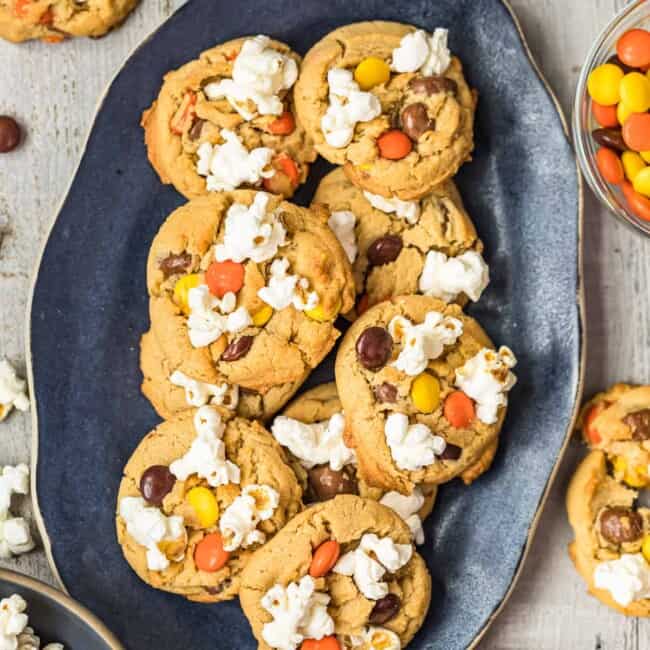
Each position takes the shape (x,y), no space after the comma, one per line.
(12,390)
(9,134)
(620,94)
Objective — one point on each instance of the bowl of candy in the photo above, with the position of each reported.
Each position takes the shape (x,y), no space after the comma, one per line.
(611,116)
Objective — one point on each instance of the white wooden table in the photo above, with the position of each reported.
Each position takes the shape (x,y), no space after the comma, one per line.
(54,90)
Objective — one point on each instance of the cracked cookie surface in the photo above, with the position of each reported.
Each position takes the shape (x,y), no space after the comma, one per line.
(282,345)
(260,460)
(435,155)
(441,224)
(183,118)
(372,396)
(54,20)
(345,520)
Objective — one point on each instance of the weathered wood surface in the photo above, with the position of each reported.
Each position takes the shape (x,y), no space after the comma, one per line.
(54,91)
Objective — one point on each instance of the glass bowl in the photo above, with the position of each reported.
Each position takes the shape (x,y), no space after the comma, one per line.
(636,14)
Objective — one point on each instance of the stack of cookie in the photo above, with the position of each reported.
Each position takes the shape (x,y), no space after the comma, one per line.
(607,510)
(313,521)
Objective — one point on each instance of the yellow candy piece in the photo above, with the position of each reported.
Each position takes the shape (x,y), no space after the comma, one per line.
(371,72)
(319,314)
(645,155)
(603,84)
(425,393)
(622,113)
(635,477)
(645,548)
(262,316)
(641,181)
(635,92)
(632,164)
(182,290)
(205,506)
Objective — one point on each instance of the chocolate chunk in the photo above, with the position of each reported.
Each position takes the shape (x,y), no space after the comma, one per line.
(9,134)
(451,452)
(237,349)
(415,121)
(639,422)
(612,138)
(619,524)
(385,609)
(384,250)
(220,587)
(386,392)
(326,483)
(374,347)
(432,85)
(173,264)
(195,131)
(156,483)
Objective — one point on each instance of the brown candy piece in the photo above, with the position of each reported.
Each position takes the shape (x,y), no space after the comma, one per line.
(9,134)
(156,483)
(451,452)
(415,121)
(237,349)
(619,524)
(432,85)
(611,138)
(639,422)
(195,130)
(175,263)
(385,609)
(374,347)
(384,250)
(326,483)
(386,392)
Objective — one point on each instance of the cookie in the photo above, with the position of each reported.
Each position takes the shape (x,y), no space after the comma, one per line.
(611,550)
(54,20)
(311,430)
(424,393)
(244,290)
(399,248)
(199,494)
(389,103)
(345,568)
(227,120)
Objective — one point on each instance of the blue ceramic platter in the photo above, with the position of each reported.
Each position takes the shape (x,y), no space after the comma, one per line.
(90,308)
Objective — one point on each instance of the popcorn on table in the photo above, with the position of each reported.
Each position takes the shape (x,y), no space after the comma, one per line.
(368,563)
(15,633)
(259,74)
(487,378)
(299,612)
(15,535)
(12,390)
(314,444)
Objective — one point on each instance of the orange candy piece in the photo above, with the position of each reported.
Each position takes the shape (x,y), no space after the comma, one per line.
(184,115)
(210,554)
(610,166)
(605,115)
(590,432)
(222,277)
(394,144)
(459,409)
(324,558)
(326,643)
(637,203)
(636,131)
(284,125)
(633,48)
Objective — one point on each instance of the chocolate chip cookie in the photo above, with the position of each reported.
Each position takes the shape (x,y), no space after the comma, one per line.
(200,493)
(611,550)
(398,248)
(54,20)
(389,103)
(345,568)
(227,120)
(311,429)
(244,290)
(424,393)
